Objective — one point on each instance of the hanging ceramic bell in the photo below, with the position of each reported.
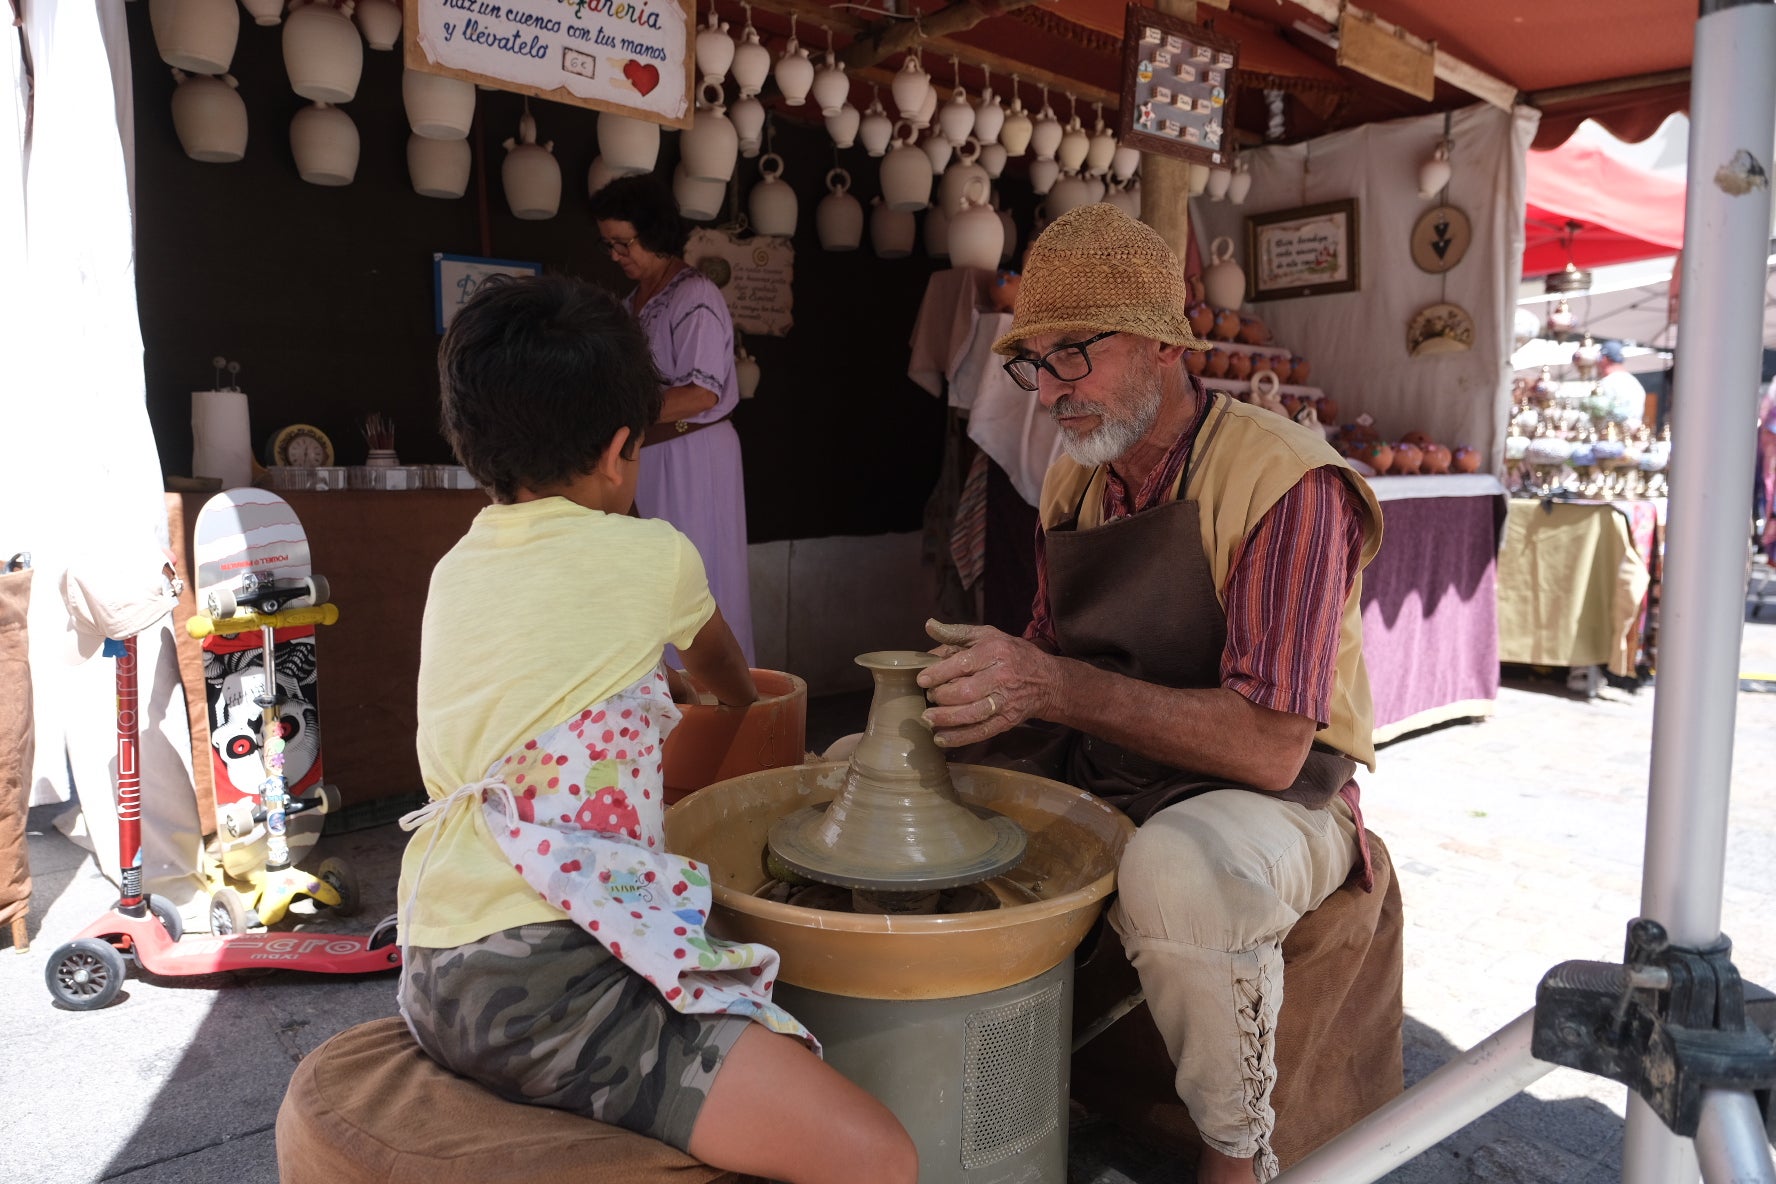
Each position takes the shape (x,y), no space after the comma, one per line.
(839,217)
(1241,184)
(772,203)
(1017,129)
(794,72)
(197,36)
(438,108)
(1074,145)
(380,22)
(992,158)
(748,117)
(629,147)
(709,147)
(832,86)
(324,141)
(842,125)
(1043,171)
(891,231)
(530,174)
(1124,161)
(438,168)
(976,237)
(1102,150)
(911,87)
(989,116)
(1067,193)
(956,121)
(937,234)
(700,201)
(938,151)
(746,372)
(1224,282)
(598,175)
(906,173)
(323,54)
(752,62)
(1045,137)
(209,117)
(715,49)
(875,129)
(960,178)
(1220,181)
(265,12)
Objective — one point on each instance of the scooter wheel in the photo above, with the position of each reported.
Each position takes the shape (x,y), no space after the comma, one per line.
(385,933)
(344,880)
(318,592)
(228,913)
(167,913)
(85,974)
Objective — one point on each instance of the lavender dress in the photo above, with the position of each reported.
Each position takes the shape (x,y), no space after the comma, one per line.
(694,482)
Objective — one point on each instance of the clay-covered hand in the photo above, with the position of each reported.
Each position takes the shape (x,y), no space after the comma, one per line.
(987,683)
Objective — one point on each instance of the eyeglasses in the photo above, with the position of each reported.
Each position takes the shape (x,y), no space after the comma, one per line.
(1069,363)
(618,246)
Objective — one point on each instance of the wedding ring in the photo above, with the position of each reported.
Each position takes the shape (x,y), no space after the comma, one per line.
(992,705)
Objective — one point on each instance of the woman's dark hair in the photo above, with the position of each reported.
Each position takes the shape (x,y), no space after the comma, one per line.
(535,377)
(646,204)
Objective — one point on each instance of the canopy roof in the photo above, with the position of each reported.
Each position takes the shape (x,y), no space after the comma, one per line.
(1589,208)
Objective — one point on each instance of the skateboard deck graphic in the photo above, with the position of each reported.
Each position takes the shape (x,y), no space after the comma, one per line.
(238,532)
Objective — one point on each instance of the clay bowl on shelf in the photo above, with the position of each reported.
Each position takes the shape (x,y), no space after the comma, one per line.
(1378,454)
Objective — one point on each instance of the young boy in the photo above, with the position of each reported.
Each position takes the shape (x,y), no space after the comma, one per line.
(556,953)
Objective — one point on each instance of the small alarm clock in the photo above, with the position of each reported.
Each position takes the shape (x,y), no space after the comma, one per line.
(300,446)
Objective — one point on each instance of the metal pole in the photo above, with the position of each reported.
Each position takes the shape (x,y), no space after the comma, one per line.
(1720,332)
(1482,1078)
(1730,1141)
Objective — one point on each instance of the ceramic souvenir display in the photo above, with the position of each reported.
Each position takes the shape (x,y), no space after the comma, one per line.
(772,203)
(839,216)
(598,175)
(921,119)
(1465,460)
(715,49)
(629,146)
(1045,135)
(937,234)
(1253,331)
(875,130)
(989,116)
(380,22)
(698,200)
(1003,291)
(1017,128)
(438,108)
(324,141)
(842,125)
(1219,181)
(748,117)
(530,174)
(746,372)
(891,231)
(1124,161)
(1227,324)
(751,63)
(438,168)
(938,151)
(1075,145)
(1043,173)
(710,146)
(1202,318)
(209,118)
(1239,366)
(992,158)
(794,72)
(1216,364)
(832,86)
(911,87)
(1240,184)
(265,12)
(1101,150)
(323,54)
(197,36)
(956,120)
(960,178)
(976,236)
(906,173)
(1407,459)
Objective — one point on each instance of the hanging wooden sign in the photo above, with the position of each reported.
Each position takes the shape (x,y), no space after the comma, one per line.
(633,57)
(1177,88)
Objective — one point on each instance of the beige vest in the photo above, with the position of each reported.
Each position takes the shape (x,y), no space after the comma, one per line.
(1259,457)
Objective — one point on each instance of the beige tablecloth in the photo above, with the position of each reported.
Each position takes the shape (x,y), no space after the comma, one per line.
(1570,586)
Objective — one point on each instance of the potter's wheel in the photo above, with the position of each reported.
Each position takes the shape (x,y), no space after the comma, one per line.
(897,833)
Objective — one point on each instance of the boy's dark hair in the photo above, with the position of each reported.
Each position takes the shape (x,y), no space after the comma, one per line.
(536,375)
(646,204)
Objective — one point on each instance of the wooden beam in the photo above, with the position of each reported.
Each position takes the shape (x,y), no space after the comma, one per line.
(887,37)
(1609,86)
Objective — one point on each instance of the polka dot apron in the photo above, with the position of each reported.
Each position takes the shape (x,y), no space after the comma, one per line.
(579,812)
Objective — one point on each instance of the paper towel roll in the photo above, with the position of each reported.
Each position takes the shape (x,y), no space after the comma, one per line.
(221,438)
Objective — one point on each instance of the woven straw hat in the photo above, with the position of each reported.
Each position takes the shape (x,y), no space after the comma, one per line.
(1096,269)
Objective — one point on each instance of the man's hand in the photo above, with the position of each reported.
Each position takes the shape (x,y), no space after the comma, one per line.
(987,683)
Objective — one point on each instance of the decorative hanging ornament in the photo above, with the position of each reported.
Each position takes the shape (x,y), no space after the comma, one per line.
(1125,196)
(989,114)
(1124,161)
(876,129)
(927,110)
(832,86)
(976,237)
(530,174)
(1074,143)
(380,22)
(1043,171)
(1435,173)
(992,158)
(1045,137)
(748,117)
(323,54)
(598,175)
(197,36)
(911,87)
(839,217)
(1067,193)
(265,12)
(1016,131)
(746,371)
(842,125)
(715,49)
(906,172)
(772,203)
(438,108)
(891,231)
(794,72)
(324,141)
(709,147)
(938,151)
(629,147)
(209,117)
(1220,180)
(960,178)
(937,234)
(438,168)
(752,61)
(1241,183)
(700,201)
(1102,151)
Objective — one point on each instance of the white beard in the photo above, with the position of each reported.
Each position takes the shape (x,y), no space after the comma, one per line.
(1113,437)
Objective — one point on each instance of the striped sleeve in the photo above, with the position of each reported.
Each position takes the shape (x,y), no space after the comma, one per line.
(1285,597)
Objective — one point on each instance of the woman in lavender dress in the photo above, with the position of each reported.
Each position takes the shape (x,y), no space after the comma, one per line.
(690,463)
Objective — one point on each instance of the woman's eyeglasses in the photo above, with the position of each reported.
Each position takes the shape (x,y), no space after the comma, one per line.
(1069,363)
(617,246)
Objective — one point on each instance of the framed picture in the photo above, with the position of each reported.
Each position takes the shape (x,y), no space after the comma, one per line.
(1176,97)
(456,277)
(1309,251)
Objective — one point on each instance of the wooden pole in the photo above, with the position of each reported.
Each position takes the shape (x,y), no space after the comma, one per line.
(1165,180)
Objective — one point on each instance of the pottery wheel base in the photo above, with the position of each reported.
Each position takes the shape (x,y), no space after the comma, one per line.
(794,840)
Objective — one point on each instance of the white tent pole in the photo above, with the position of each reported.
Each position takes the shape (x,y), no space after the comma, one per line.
(1726,241)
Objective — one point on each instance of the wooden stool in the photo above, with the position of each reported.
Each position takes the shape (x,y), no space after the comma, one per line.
(369,1105)
(1338,1036)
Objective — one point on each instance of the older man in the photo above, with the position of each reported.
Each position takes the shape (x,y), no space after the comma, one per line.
(1196,650)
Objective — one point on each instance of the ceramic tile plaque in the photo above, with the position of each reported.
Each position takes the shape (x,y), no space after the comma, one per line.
(633,57)
(1177,88)
(755,275)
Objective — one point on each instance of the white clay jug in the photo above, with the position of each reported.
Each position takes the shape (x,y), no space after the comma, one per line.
(197,36)
(746,372)
(832,86)
(959,179)
(438,168)
(937,234)
(976,236)
(921,118)
(1095,189)
(629,146)
(709,147)
(1074,145)
(1017,129)
(324,141)
(794,72)
(1199,179)
(438,108)
(1241,184)
(530,174)
(1124,161)
(265,12)
(598,175)
(842,125)
(839,217)
(715,49)
(1220,180)
(772,203)
(380,22)
(209,117)
(748,117)
(911,87)
(323,54)
(1010,228)
(700,201)
(989,117)
(1126,198)
(937,151)
(1043,171)
(906,173)
(1224,283)
(876,129)
(1102,148)
(1045,136)
(956,120)
(992,158)
(1067,193)
(891,231)
(752,62)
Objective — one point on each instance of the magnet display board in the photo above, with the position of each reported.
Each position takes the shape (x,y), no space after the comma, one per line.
(1177,88)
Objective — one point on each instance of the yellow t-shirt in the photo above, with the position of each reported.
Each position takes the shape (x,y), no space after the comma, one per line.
(540,610)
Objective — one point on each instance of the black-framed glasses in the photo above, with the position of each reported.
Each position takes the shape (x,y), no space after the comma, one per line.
(1069,363)
(618,246)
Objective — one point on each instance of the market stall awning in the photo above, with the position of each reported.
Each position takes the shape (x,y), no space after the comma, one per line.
(1586,206)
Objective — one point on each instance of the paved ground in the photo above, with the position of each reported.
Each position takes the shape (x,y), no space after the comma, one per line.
(1518,843)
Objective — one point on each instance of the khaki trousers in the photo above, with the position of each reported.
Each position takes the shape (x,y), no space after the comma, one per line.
(1207,890)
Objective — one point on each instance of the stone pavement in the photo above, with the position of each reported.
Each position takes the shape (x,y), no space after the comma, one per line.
(1518,843)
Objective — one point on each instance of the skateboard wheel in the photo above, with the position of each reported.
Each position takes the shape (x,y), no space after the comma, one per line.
(221,603)
(228,913)
(85,974)
(318,592)
(236,819)
(330,798)
(339,874)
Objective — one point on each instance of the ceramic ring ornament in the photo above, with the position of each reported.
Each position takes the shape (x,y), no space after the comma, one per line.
(1265,385)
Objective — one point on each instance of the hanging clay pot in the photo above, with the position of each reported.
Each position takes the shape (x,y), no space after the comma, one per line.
(910,88)
(976,236)
(1126,198)
(772,203)
(937,151)
(746,372)
(1067,193)
(1225,281)
(891,231)
(794,73)
(1045,136)
(1241,184)
(530,174)
(1074,145)
(438,168)
(1043,171)
(921,119)
(839,216)
(959,178)
(841,126)
(937,234)
(1095,190)
(1198,183)
(748,117)
(380,22)
(906,173)
(992,158)
(629,147)
(1017,129)
(323,54)
(876,129)
(1102,150)
(989,117)
(700,201)
(832,86)
(1010,228)
(324,141)
(265,12)
(598,175)
(197,36)
(1124,161)
(1219,180)
(709,147)
(210,118)
(956,120)
(715,49)
(438,108)
(752,62)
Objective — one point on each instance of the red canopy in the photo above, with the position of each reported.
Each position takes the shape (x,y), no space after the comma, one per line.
(1623,214)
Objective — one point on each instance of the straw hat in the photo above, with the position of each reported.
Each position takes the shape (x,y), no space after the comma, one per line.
(1096,269)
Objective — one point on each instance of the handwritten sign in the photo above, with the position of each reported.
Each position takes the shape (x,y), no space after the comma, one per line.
(633,57)
(1177,88)
(455,278)
(1303,252)
(755,277)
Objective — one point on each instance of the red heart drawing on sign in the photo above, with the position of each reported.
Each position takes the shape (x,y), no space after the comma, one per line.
(644,77)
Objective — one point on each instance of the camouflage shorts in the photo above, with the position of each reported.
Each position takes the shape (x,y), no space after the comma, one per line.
(544,1014)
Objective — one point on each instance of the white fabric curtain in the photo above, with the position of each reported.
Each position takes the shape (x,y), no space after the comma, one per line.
(82,477)
(1356,341)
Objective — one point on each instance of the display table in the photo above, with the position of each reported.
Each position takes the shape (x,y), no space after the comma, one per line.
(1573,582)
(377,551)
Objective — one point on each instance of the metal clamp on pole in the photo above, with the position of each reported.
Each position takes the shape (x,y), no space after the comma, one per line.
(1671,1024)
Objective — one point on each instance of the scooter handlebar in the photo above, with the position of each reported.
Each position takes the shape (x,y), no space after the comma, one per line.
(319,614)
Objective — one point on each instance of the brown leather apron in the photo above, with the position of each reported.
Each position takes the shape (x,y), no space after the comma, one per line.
(1136,596)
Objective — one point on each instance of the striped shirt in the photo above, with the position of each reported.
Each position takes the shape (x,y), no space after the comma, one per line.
(1286,587)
